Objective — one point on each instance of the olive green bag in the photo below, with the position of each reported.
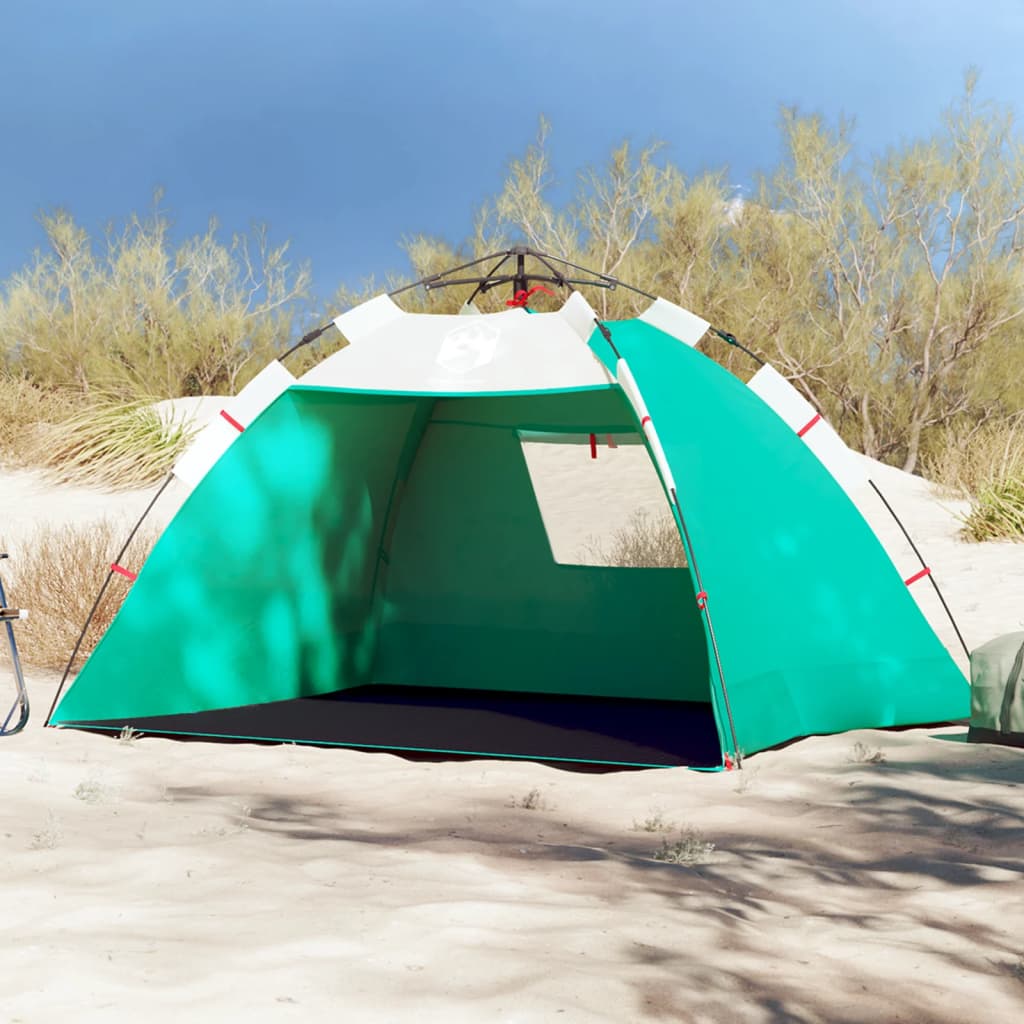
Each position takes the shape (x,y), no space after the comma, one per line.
(997,691)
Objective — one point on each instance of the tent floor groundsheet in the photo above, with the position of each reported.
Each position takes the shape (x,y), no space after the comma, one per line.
(650,733)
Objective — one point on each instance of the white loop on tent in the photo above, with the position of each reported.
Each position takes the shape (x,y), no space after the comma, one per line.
(680,323)
(632,392)
(238,412)
(579,315)
(818,434)
(368,318)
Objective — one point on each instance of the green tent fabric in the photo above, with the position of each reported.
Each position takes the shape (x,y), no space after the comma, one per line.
(370,568)
(997,691)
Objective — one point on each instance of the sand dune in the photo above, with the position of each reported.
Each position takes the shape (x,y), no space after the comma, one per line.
(186,880)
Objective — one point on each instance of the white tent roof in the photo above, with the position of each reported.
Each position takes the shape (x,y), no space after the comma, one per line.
(390,350)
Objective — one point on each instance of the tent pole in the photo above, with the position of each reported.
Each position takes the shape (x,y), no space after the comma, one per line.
(99,597)
(702,603)
(924,565)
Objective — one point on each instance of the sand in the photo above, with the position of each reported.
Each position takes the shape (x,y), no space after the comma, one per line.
(175,880)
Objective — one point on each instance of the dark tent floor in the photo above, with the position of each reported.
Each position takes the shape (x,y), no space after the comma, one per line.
(540,727)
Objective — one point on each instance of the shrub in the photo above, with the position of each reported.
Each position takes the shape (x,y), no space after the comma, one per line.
(971,460)
(689,849)
(57,574)
(646,542)
(24,408)
(997,513)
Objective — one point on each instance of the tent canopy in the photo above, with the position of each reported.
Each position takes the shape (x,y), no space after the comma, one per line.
(367,564)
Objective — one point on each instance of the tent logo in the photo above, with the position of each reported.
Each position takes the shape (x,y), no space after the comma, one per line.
(468,347)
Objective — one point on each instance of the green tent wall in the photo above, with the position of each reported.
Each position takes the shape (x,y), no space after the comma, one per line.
(371,569)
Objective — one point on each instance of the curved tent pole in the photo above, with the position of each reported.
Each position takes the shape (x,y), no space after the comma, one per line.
(20,705)
(518,280)
(114,568)
(924,566)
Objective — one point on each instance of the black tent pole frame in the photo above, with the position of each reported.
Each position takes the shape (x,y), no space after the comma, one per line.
(520,281)
(924,565)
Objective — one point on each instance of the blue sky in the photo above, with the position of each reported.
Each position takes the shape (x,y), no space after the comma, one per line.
(344,126)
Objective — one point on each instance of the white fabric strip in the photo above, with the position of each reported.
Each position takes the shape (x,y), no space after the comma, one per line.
(579,315)
(683,325)
(368,317)
(216,437)
(632,392)
(817,433)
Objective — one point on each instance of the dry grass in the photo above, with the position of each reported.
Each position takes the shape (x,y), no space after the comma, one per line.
(110,443)
(972,460)
(24,412)
(647,542)
(986,465)
(98,439)
(57,575)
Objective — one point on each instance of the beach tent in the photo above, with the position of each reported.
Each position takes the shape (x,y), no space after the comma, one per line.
(997,691)
(362,560)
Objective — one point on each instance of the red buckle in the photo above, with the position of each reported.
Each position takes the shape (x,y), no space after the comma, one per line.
(522,297)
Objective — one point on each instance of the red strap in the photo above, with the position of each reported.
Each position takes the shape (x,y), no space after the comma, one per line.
(231,419)
(611,442)
(593,446)
(644,422)
(728,763)
(810,423)
(126,573)
(702,600)
(521,298)
(918,576)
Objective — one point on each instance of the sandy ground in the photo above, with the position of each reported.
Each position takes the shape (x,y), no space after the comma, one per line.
(187,880)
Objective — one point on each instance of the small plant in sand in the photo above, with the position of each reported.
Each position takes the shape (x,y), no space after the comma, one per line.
(56,574)
(532,800)
(90,791)
(128,736)
(690,848)
(654,822)
(50,835)
(861,753)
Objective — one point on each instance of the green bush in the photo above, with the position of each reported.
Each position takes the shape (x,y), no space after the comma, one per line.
(997,513)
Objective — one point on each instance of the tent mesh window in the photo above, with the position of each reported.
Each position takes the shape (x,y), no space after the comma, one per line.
(601,500)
